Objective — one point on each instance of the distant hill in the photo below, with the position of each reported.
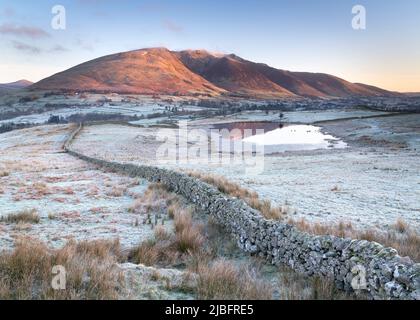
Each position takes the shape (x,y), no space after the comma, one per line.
(160,71)
(412,94)
(15,85)
(6,88)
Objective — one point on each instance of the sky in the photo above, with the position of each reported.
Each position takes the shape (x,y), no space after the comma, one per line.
(297,35)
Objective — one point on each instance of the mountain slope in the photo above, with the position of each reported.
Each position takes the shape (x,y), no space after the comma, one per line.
(290,81)
(377,90)
(233,74)
(336,87)
(239,75)
(160,71)
(146,71)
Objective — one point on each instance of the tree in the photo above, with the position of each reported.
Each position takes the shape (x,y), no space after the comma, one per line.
(54,119)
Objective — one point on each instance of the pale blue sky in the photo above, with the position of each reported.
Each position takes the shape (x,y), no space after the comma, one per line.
(299,35)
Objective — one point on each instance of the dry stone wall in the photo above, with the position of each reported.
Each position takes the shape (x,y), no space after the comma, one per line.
(380,271)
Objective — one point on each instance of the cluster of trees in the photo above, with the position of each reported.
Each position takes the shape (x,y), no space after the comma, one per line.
(28,111)
(6,127)
(28,99)
(87,117)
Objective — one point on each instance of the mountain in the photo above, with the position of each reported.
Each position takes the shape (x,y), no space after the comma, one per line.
(242,76)
(15,85)
(146,71)
(160,71)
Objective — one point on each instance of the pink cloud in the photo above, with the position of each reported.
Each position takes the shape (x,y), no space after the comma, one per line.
(59,48)
(25,47)
(23,31)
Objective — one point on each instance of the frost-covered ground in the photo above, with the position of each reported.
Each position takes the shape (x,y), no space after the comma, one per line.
(43,105)
(107,108)
(43,117)
(76,200)
(372,183)
(305,117)
(73,199)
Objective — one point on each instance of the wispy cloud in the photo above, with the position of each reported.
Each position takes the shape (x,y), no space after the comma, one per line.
(25,47)
(172,26)
(28,48)
(58,48)
(23,31)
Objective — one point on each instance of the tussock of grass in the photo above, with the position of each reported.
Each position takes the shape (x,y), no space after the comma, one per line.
(91,272)
(157,192)
(224,185)
(155,198)
(175,204)
(155,253)
(101,249)
(407,243)
(250,197)
(161,233)
(26,216)
(401,226)
(223,280)
(188,234)
(4,173)
(147,253)
(165,249)
(267,211)
(189,240)
(182,220)
(116,192)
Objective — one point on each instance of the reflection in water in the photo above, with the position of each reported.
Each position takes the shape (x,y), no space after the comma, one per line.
(239,130)
(295,137)
(277,137)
